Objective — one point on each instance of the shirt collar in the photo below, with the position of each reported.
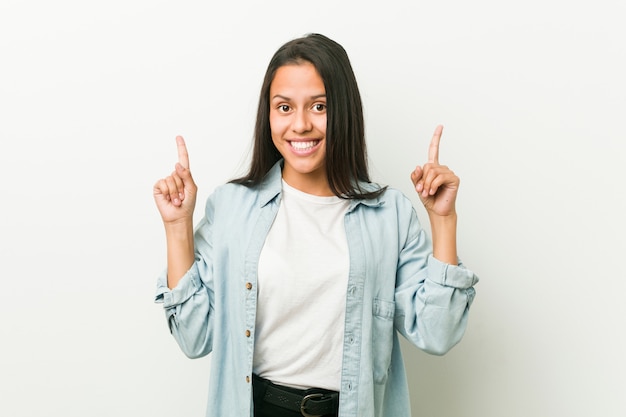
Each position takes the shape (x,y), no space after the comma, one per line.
(271,187)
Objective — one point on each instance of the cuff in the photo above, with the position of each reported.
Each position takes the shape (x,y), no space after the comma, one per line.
(185,289)
(456,276)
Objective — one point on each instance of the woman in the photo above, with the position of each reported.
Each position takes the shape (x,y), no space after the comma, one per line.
(302,273)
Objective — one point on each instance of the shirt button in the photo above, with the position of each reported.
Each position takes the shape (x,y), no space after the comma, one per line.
(247,333)
(248,285)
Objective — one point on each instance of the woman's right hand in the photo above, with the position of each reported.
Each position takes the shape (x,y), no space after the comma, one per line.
(175,195)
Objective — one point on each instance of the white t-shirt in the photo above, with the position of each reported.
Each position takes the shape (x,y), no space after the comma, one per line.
(303,278)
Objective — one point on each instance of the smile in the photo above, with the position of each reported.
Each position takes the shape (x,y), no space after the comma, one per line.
(304,146)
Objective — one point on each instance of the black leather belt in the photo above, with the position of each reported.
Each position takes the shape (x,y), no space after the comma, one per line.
(310,403)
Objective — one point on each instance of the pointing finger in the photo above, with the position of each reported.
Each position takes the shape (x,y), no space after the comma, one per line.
(183,156)
(433,150)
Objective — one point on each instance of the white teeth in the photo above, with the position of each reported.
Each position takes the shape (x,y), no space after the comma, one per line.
(301,146)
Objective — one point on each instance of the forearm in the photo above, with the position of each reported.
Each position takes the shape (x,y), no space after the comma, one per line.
(180,251)
(443,230)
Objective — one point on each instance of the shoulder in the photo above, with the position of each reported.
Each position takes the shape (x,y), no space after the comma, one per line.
(394,195)
(231,188)
(237,196)
(234,195)
(391,216)
(389,198)
(391,206)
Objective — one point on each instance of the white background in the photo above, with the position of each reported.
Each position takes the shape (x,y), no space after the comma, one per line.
(533,100)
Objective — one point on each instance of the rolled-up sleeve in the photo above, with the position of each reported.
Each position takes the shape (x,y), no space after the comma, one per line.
(432,297)
(186,288)
(189,306)
(450,275)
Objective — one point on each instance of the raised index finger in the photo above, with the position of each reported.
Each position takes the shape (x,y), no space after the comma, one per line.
(433,150)
(183,156)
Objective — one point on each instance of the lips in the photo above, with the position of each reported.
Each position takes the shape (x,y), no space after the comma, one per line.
(304,146)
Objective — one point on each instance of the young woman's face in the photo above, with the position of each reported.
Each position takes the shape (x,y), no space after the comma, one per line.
(298,126)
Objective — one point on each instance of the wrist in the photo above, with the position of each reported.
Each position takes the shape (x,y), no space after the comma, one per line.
(180,250)
(182,228)
(443,230)
(443,221)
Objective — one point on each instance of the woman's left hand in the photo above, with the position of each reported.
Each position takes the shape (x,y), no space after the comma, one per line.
(436,185)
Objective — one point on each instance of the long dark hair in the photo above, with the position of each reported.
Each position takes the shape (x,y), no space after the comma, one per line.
(346,155)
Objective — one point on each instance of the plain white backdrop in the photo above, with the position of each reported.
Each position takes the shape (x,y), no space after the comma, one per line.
(533,99)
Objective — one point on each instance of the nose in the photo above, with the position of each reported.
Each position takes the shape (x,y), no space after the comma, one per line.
(301,122)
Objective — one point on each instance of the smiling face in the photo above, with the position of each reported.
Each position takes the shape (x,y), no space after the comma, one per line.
(298,125)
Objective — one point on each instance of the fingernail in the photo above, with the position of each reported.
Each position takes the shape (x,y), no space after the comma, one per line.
(176,201)
(181,196)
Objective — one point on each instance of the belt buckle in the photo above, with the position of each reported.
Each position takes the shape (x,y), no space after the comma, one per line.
(304,401)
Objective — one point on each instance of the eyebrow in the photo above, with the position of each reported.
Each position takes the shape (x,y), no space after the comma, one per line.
(315,97)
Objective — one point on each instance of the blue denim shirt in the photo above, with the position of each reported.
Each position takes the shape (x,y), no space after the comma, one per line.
(395,286)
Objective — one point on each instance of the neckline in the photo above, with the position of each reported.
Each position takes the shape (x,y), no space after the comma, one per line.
(319,199)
